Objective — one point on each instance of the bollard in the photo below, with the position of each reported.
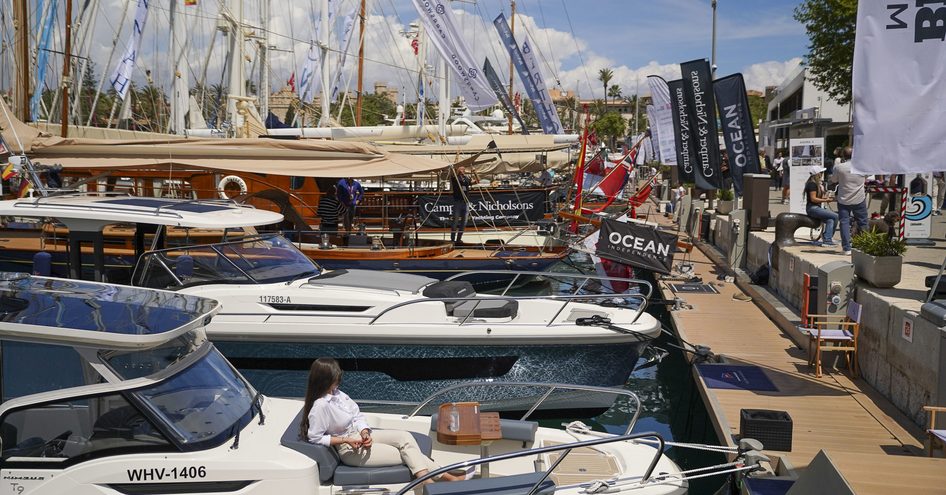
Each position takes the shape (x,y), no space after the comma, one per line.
(42,264)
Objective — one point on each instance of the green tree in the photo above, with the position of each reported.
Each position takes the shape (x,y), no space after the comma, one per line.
(830,59)
(757,109)
(614,92)
(605,75)
(610,125)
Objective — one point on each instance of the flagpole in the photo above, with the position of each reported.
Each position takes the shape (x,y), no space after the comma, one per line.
(512,22)
(361,61)
(66,66)
(713,55)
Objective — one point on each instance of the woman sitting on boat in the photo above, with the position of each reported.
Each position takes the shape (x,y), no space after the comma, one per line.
(334,420)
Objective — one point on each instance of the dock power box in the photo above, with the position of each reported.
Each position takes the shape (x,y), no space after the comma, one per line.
(835,288)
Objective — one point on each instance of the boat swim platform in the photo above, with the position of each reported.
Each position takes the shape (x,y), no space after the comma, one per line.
(875,447)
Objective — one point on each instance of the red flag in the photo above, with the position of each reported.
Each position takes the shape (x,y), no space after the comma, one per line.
(292,82)
(25,187)
(415,45)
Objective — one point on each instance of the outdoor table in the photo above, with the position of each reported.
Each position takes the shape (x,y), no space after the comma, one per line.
(474,428)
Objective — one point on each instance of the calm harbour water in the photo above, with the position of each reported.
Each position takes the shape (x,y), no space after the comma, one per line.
(671,404)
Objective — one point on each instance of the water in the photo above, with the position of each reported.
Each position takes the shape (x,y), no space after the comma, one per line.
(671,404)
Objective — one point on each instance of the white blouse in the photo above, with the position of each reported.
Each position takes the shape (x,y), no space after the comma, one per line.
(335,414)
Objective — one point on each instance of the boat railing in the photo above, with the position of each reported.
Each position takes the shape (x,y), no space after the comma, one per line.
(565,448)
(566,300)
(585,279)
(162,210)
(551,388)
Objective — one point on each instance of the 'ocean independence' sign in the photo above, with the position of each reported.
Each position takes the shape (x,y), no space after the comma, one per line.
(636,245)
(701,106)
(496,209)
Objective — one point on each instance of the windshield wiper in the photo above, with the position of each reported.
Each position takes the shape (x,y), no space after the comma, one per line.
(258,402)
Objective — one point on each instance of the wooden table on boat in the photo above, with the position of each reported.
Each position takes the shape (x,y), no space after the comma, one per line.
(473,428)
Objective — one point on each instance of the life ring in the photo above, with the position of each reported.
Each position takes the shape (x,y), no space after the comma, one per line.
(230,179)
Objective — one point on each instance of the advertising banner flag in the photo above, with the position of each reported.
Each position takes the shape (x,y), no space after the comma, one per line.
(701,108)
(663,120)
(637,245)
(737,128)
(493,209)
(542,92)
(501,93)
(686,148)
(654,132)
(898,87)
(121,77)
(441,26)
(518,59)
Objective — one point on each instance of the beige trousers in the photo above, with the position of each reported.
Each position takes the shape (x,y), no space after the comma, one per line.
(388,448)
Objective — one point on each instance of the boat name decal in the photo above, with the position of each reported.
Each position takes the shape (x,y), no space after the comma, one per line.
(160,474)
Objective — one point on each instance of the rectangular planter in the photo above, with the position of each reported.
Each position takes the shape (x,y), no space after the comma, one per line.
(879,271)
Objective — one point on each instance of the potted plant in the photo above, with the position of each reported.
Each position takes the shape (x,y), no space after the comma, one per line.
(878,258)
(726,202)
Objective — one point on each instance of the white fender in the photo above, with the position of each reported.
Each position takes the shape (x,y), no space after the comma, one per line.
(230,179)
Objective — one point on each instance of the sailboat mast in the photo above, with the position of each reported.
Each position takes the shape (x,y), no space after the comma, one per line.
(21,17)
(361,60)
(264,63)
(237,78)
(66,66)
(512,21)
(323,45)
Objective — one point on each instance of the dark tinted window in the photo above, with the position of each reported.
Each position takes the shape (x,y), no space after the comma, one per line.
(27,369)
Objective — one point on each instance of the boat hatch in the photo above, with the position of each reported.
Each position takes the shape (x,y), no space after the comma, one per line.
(74,312)
(256,260)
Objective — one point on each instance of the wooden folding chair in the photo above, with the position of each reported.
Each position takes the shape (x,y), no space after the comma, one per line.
(937,437)
(833,333)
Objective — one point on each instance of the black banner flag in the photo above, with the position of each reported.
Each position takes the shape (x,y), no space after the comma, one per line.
(637,245)
(686,149)
(701,109)
(501,93)
(495,209)
(738,133)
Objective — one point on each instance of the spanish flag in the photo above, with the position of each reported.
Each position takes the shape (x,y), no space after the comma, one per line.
(190,3)
(25,188)
(8,172)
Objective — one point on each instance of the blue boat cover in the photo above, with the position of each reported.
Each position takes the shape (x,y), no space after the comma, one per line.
(78,305)
(168,204)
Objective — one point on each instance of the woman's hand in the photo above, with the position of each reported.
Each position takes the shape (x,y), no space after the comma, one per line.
(354,442)
(366,438)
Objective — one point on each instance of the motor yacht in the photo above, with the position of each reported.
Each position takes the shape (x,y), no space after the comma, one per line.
(111,389)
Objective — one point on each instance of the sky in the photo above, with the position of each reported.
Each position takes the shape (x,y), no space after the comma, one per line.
(576,38)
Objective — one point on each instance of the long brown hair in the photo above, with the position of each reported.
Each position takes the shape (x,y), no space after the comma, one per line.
(324,373)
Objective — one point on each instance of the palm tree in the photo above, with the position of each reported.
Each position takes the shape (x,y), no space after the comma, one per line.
(614,92)
(605,75)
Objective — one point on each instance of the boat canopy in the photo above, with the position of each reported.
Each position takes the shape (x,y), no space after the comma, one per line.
(512,154)
(92,211)
(302,158)
(103,316)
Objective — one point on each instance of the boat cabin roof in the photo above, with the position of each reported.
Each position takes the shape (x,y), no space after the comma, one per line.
(79,313)
(92,211)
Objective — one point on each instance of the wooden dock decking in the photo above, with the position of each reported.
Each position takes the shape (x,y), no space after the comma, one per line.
(876,448)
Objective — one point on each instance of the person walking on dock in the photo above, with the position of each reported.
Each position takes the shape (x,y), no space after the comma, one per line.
(852,199)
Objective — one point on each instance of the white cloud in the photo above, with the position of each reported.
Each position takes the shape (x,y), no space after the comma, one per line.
(771,73)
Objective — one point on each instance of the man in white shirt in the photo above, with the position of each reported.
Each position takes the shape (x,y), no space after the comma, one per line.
(852,199)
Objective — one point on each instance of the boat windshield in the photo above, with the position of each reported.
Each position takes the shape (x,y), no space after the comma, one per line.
(258,260)
(203,405)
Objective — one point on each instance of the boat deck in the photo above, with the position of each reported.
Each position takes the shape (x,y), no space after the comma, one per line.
(876,447)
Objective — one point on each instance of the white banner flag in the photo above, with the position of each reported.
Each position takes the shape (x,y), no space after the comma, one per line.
(308,83)
(441,27)
(654,132)
(899,88)
(662,120)
(121,77)
(542,92)
(343,57)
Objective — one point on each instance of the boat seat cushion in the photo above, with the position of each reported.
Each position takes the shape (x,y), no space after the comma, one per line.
(519,484)
(486,308)
(331,468)
(511,429)
(450,288)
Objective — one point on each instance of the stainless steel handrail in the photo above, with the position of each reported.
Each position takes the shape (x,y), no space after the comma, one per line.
(551,388)
(568,447)
(479,299)
(518,273)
